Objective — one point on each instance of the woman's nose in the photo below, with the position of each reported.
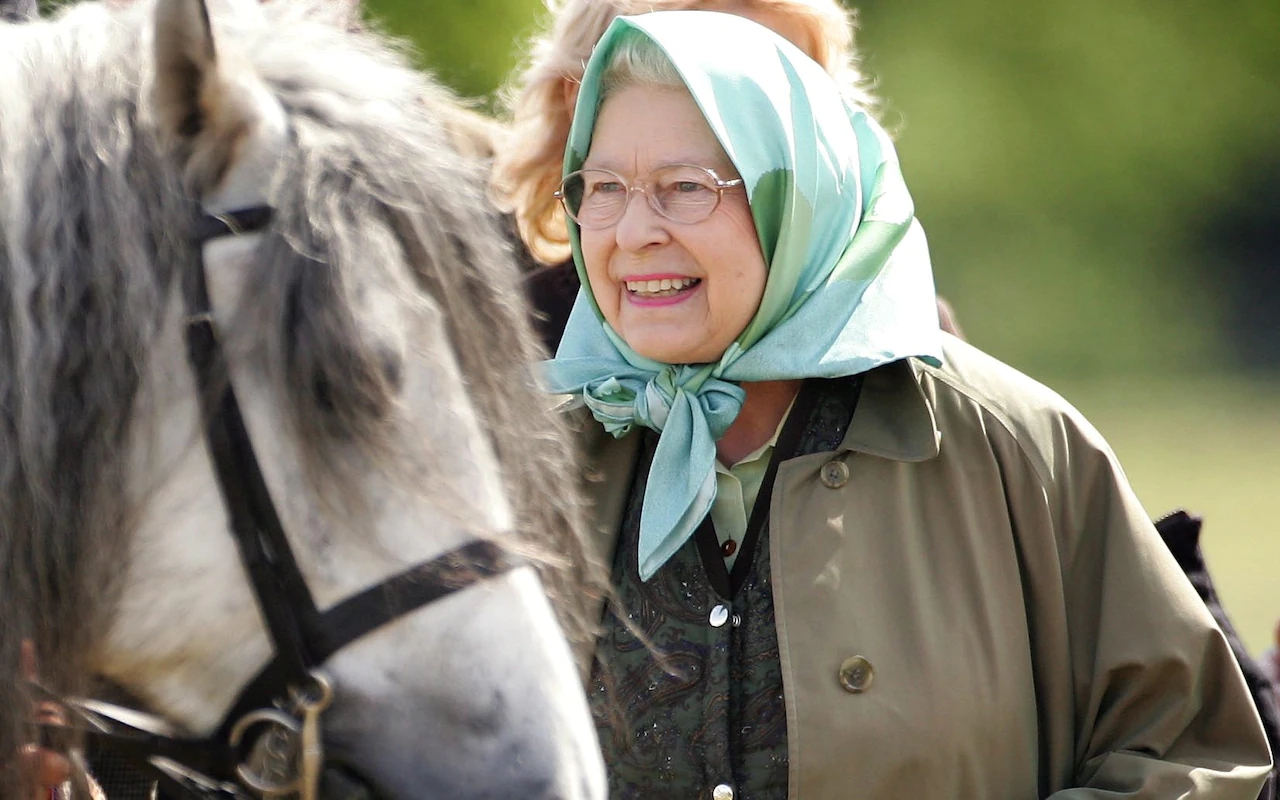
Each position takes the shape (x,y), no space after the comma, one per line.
(640,226)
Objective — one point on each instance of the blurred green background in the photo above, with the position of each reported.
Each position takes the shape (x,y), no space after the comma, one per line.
(1100,182)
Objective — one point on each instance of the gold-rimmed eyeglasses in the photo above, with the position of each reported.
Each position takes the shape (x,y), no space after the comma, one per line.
(683,193)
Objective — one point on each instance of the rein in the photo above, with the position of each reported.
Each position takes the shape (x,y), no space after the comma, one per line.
(283,703)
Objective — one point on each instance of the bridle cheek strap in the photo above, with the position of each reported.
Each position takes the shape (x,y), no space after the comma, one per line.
(283,597)
(304,638)
(369,610)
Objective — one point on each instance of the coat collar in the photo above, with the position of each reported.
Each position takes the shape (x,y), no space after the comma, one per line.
(894,418)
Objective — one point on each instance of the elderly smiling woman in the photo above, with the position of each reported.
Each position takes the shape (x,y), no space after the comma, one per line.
(855,557)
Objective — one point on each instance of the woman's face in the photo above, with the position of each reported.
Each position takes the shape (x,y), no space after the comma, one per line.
(716,268)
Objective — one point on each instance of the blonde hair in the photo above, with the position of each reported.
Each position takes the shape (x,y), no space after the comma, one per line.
(527,167)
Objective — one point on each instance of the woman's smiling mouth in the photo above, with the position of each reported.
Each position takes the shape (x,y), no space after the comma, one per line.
(659,287)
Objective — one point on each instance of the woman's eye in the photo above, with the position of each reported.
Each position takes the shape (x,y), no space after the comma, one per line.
(687,187)
(607,187)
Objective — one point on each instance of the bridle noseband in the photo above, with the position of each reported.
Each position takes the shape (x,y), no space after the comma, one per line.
(284,701)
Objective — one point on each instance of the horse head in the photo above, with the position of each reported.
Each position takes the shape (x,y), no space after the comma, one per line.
(373,334)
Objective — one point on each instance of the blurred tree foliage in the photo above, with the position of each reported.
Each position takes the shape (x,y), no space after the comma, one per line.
(471,45)
(1075,162)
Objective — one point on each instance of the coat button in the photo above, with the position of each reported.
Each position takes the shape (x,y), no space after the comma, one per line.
(719,616)
(722,792)
(856,674)
(835,473)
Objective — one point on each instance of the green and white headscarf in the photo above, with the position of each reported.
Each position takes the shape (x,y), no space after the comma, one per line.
(849,285)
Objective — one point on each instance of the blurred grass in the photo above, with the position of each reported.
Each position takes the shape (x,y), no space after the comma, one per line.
(1209,444)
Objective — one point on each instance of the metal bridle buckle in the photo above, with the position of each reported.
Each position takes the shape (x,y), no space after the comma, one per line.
(288,756)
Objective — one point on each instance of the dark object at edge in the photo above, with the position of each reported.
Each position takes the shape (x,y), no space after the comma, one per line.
(1181,534)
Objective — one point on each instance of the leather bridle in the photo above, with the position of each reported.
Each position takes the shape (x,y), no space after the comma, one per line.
(282,704)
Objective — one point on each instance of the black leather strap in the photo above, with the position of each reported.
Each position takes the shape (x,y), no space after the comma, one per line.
(369,610)
(232,223)
(303,638)
(283,598)
(137,747)
(346,622)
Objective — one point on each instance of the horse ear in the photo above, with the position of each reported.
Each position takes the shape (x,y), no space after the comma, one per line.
(186,63)
(208,109)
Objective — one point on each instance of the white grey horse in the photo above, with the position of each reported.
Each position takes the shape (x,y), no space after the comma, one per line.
(376,338)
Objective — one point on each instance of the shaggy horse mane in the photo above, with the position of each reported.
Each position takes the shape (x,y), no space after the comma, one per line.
(93,245)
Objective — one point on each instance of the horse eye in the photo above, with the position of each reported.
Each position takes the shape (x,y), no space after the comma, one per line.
(365,387)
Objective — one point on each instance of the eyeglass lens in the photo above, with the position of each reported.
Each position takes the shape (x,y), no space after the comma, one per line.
(685,194)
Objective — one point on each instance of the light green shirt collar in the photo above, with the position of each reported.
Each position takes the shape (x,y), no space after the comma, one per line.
(738,489)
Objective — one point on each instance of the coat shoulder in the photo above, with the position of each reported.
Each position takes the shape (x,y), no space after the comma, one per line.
(972,387)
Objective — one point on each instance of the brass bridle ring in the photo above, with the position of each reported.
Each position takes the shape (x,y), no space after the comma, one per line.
(258,783)
(318,698)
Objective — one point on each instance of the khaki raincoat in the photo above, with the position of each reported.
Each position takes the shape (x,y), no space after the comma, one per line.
(971,603)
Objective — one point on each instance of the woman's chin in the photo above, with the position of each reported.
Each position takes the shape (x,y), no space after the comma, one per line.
(675,352)
(664,336)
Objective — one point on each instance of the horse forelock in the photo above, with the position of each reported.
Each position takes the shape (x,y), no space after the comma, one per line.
(93,235)
(372,180)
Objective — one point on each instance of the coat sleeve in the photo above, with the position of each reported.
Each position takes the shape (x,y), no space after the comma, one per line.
(1161,708)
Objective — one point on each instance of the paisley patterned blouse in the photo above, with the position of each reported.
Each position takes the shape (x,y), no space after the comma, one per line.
(698,711)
